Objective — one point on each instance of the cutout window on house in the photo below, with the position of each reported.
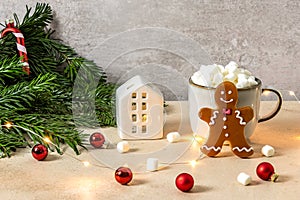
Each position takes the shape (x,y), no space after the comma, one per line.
(144,117)
(133,129)
(144,95)
(144,129)
(133,117)
(133,106)
(133,95)
(144,106)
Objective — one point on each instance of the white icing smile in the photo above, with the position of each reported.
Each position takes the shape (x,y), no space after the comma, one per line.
(229,101)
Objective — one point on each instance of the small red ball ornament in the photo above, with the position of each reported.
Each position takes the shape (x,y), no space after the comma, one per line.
(266,172)
(97,140)
(123,175)
(39,152)
(184,182)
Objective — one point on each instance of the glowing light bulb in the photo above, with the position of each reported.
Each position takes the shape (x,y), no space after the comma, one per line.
(144,118)
(198,138)
(86,163)
(193,163)
(47,140)
(292,93)
(266,92)
(8,124)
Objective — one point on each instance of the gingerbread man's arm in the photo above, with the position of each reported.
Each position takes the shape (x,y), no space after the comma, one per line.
(246,113)
(205,114)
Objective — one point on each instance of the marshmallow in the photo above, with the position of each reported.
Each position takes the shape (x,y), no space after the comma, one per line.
(123,147)
(244,178)
(231,67)
(206,75)
(217,79)
(230,77)
(221,68)
(173,137)
(242,83)
(216,75)
(268,151)
(213,75)
(242,77)
(252,80)
(152,164)
(197,79)
(247,72)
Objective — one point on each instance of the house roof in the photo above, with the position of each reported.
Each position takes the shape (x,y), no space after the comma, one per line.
(134,84)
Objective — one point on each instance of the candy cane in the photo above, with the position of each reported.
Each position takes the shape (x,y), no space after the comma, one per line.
(10,28)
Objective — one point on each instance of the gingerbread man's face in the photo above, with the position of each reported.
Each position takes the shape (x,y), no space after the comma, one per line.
(226,95)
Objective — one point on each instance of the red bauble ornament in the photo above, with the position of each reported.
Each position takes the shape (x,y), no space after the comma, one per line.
(39,152)
(123,175)
(97,140)
(266,172)
(184,182)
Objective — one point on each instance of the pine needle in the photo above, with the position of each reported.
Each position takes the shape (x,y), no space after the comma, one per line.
(42,102)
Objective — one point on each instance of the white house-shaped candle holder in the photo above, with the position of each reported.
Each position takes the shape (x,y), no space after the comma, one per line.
(139,110)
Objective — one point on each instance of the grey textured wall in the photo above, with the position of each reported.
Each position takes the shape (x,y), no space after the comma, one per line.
(262,36)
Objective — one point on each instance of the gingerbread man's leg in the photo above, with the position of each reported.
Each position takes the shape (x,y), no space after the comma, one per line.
(241,148)
(213,146)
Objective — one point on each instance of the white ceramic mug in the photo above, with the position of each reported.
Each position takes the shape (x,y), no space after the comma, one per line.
(203,96)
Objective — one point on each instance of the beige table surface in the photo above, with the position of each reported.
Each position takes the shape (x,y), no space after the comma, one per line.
(63,177)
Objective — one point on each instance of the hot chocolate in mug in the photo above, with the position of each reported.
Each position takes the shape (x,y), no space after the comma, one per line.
(203,96)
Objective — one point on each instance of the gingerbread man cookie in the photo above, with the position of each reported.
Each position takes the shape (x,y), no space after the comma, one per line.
(227,123)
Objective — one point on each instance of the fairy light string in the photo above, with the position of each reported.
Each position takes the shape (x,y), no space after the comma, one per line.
(196,140)
(292,93)
(85,163)
(289,92)
(47,140)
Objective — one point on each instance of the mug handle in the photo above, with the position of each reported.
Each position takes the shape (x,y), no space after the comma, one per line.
(278,106)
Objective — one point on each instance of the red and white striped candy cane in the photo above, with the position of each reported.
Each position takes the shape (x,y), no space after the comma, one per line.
(10,28)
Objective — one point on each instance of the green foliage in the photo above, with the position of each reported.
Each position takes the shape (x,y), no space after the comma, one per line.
(42,102)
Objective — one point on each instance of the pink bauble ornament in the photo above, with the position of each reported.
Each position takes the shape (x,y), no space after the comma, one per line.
(184,182)
(266,172)
(97,140)
(39,152)
(123,175)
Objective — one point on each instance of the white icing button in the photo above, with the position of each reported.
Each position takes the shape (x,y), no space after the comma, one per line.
(123,147)
(224,127)
(244,178)
(268,151)
(226,135)
(152,164)
(224,118)
(173,137)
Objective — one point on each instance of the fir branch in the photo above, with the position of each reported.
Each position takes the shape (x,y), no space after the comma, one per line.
(53,127)
(10,142)
(42,102)
(10,70)
(41,17)
(22,94)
